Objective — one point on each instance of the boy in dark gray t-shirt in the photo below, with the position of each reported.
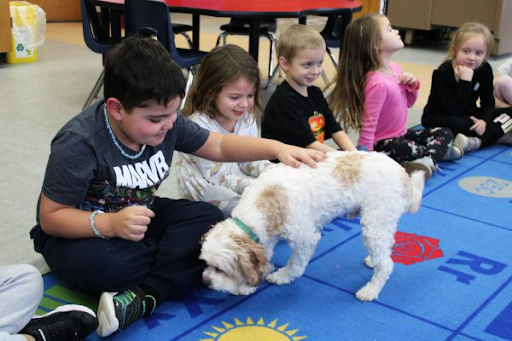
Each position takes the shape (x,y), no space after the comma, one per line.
(100,226)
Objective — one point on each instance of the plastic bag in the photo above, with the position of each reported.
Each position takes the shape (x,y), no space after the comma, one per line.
(28,24)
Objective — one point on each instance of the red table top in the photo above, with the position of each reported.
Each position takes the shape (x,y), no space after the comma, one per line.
(278,8)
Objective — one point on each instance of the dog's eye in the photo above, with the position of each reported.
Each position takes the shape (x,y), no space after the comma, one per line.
(217,270)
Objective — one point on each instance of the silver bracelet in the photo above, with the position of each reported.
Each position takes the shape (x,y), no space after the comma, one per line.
(93,227)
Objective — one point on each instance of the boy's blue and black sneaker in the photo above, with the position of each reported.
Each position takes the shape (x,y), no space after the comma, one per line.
(118,310)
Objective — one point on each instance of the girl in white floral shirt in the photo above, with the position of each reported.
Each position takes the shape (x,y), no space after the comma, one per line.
(222,100)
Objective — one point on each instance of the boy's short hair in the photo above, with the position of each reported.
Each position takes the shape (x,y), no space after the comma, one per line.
(297,37)
(140,71)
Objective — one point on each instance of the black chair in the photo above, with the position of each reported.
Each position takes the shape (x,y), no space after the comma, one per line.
(182,29)
(177,28)
(240,26)
(154,15)
(332,34)
(98,39)
(333,31)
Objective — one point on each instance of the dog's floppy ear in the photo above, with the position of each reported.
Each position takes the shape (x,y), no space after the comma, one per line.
(252,259)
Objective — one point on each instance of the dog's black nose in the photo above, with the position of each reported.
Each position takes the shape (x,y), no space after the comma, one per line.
(206,280)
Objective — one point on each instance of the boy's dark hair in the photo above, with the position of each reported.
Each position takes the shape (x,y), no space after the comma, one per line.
(139,70)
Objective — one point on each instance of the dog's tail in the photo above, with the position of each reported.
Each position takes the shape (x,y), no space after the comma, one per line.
(418,184)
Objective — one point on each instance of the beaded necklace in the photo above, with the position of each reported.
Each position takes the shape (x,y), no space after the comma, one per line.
(113,137)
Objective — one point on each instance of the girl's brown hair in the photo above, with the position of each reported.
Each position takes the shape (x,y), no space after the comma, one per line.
(466,31)
(358,55)
(221,66)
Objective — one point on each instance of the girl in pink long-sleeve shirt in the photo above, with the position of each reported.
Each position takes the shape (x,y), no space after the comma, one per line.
(372,95)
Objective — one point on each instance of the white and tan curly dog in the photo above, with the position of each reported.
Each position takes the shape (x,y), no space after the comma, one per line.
(294,204)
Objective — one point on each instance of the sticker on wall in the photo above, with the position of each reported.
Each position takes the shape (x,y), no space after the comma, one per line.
(252,331)
(487,186)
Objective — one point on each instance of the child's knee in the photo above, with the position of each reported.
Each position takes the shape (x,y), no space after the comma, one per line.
(503,88)
(209,213)
(30,282)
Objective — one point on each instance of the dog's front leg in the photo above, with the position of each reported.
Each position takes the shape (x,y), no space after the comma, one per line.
(271,244)
(301,254)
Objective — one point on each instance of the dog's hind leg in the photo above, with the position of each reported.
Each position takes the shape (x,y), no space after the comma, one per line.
(302,252)
(379,240)
(368,262)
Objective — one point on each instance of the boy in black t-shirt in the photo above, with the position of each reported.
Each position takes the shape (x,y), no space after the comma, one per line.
(297,113)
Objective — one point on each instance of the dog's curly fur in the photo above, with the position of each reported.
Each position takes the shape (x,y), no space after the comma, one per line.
(294,204)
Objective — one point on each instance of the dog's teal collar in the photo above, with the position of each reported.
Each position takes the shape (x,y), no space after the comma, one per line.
(247,230)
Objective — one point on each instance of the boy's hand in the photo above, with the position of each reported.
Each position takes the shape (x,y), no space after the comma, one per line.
(409,80)
(131,222)
(293,156)
(463,72)
(479,126)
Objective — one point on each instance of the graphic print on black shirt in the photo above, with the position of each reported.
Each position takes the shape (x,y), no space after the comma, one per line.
(317,124)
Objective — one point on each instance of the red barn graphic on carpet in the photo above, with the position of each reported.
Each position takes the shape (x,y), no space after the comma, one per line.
(410,248)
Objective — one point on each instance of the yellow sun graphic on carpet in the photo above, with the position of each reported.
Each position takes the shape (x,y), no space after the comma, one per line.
(250,331)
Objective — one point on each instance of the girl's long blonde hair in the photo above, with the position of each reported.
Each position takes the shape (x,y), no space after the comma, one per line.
(466,31)
(358,55)
(221,66)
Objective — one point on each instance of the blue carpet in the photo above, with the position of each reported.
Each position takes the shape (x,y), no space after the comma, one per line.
(452,277)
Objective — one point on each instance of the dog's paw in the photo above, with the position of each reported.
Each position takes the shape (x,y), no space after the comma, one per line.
(367,293)
(368,262)
(279,277)
(246,290)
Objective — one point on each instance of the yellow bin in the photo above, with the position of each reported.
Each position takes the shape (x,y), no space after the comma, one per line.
(24,16)
(20,54)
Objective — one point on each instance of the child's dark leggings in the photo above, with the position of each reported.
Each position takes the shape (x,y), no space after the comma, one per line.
(415,144)
(462,125)
(167,259)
